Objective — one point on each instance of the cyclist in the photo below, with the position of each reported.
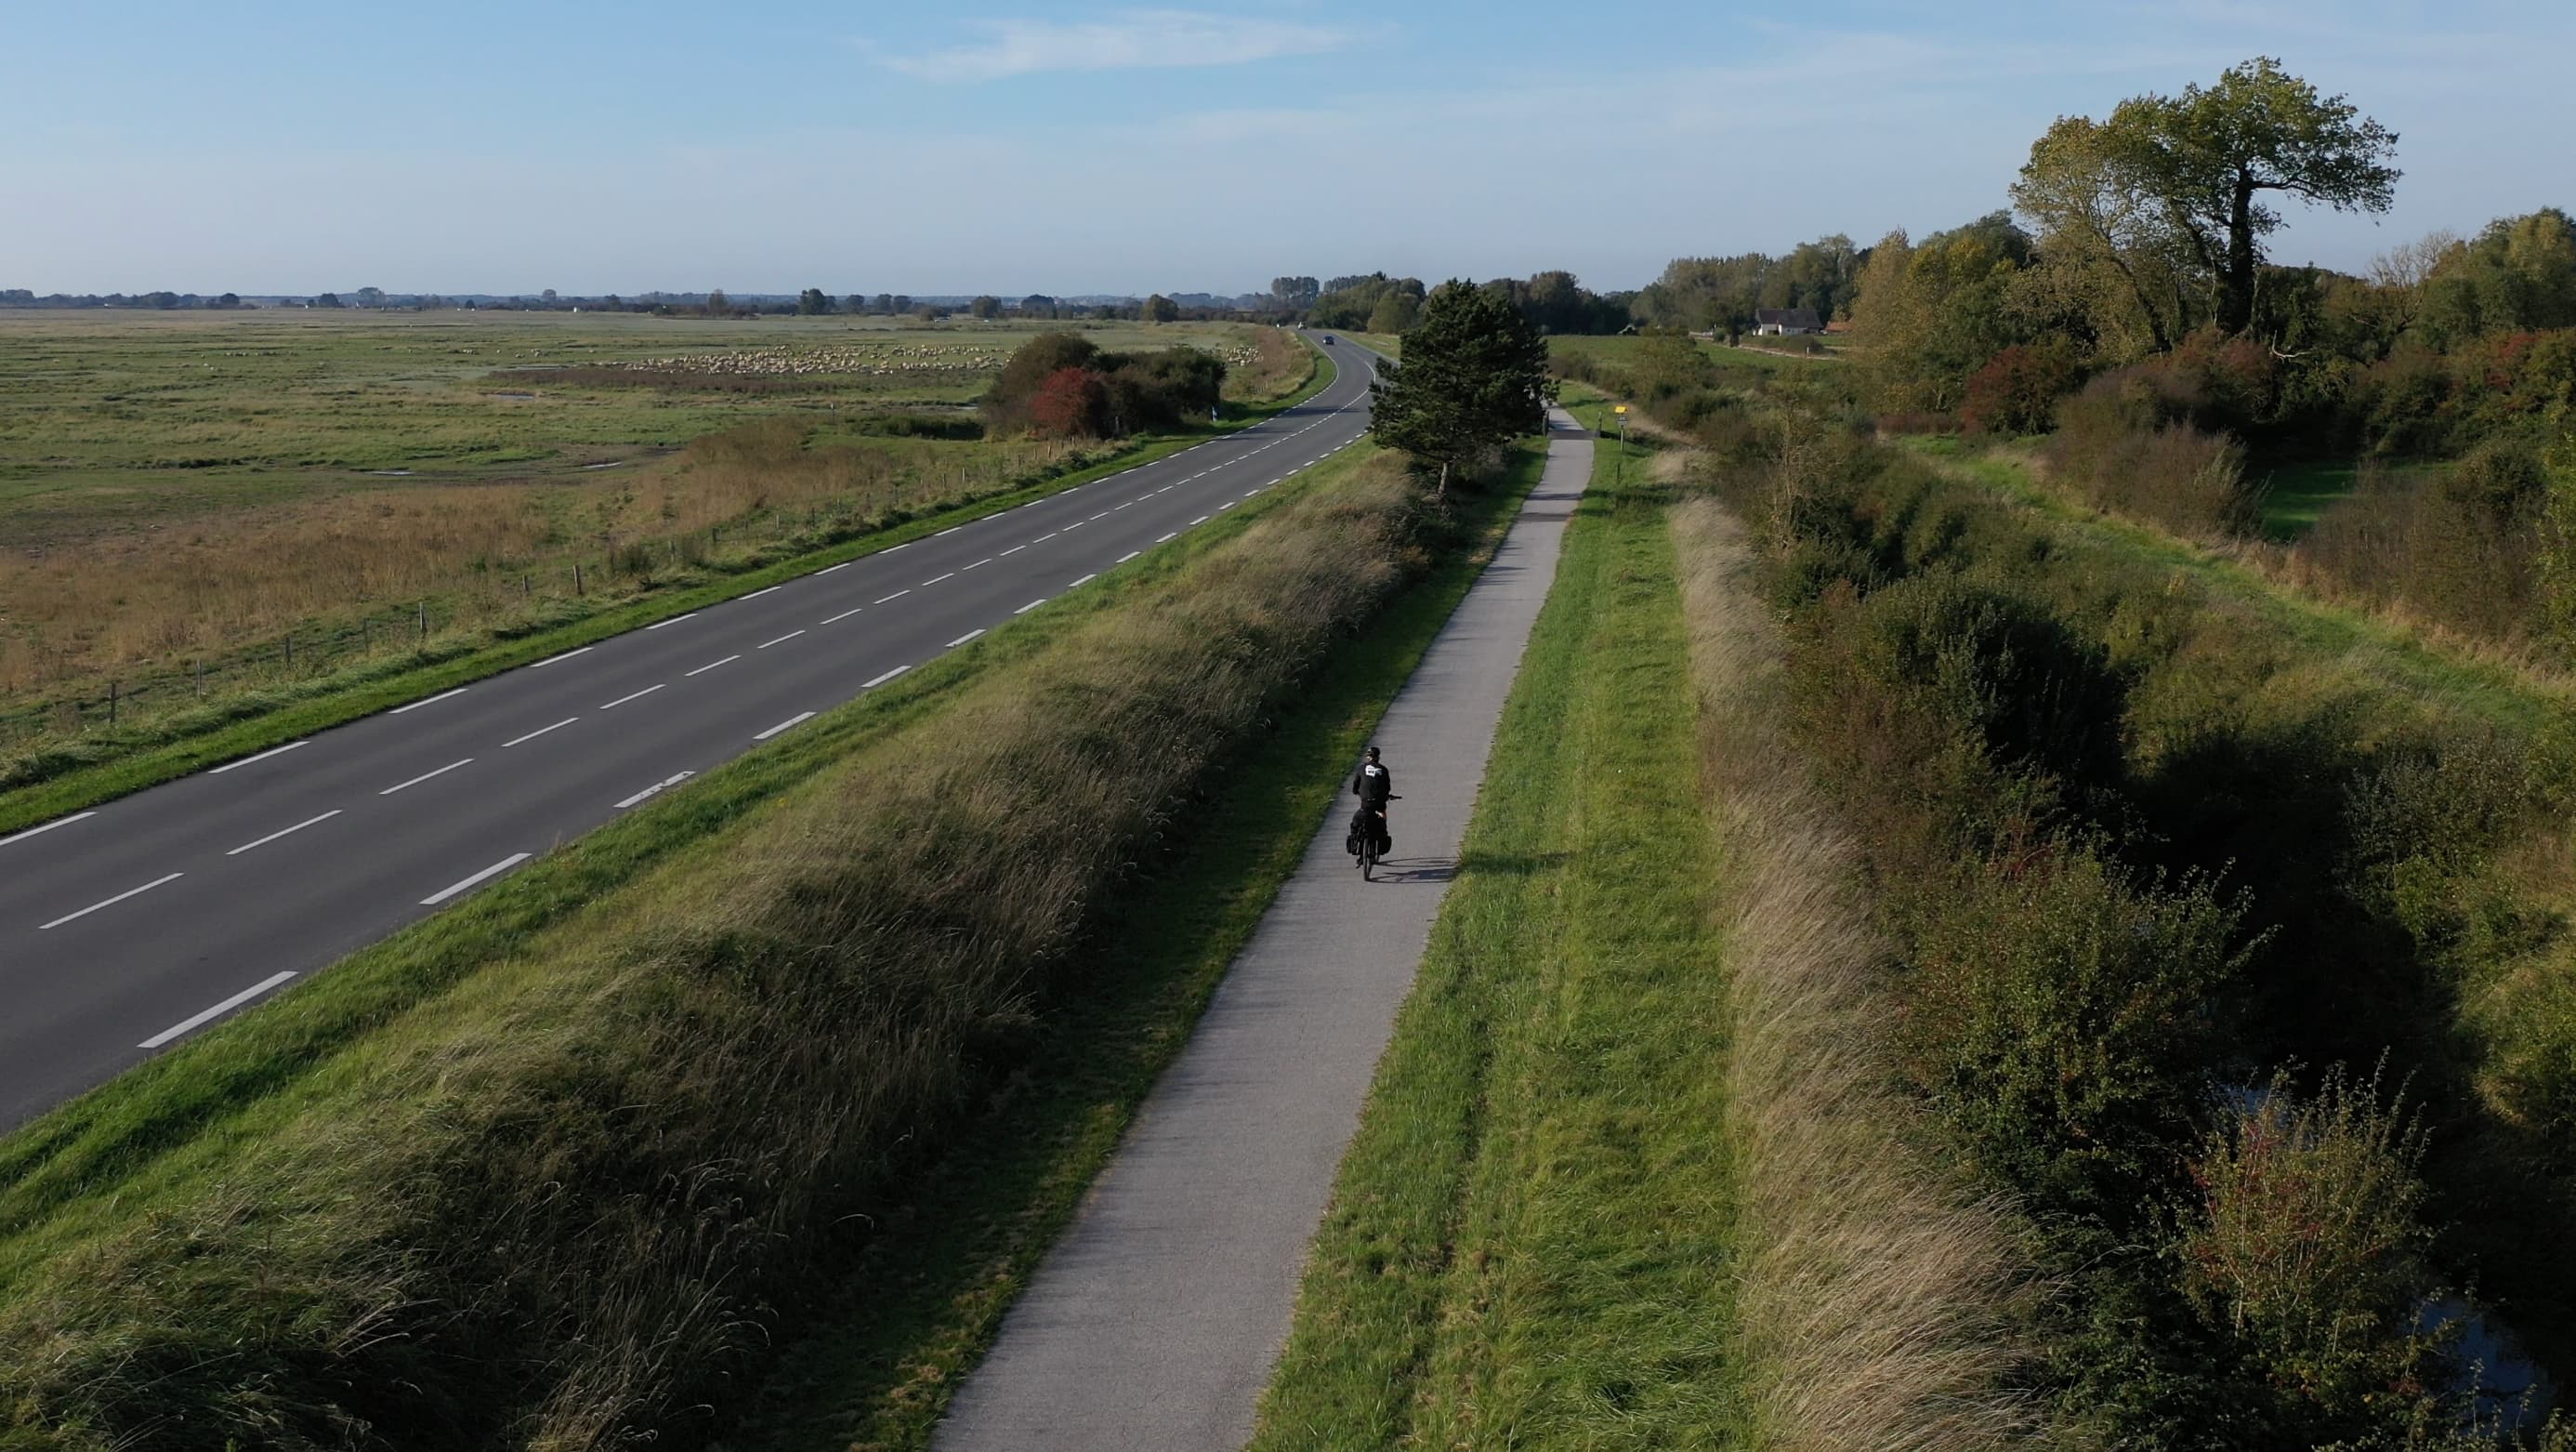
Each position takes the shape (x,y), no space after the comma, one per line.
(1372,784)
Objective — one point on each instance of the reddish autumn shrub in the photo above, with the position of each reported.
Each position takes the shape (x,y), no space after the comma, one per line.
(1071,404)
(2017,390)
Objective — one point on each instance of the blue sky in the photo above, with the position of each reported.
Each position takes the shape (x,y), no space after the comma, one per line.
(999,145)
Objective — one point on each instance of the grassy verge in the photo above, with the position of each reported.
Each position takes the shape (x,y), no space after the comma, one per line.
(114,766)
(1532,1237)
(932,1289)
(1884,1306)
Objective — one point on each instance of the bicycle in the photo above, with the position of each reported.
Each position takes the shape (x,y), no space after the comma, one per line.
(1372,829)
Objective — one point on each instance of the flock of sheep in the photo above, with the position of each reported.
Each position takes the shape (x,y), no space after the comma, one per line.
(864,360)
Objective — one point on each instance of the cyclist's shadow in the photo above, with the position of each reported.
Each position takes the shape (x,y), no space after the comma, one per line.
(1417,869)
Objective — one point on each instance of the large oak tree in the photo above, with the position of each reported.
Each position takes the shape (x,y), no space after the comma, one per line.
(2172,189)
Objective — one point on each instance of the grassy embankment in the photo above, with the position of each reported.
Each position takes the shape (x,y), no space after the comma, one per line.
(739,510)
(1605,1178)
(879,1372)
(2171,858)
(2389,646)
(551,1168)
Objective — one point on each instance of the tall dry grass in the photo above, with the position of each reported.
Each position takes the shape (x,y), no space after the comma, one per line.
(130,600)
(1883,1304)
(563,1204)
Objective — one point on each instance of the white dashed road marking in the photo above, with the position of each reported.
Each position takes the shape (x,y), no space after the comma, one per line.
(486,875)
(218,771)
(540,731)
(432,701)
(424,776)
(84,816)
(220,1009)
(113,901)
(273,836)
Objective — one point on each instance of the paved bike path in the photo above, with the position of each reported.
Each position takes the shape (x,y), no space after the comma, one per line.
(1153,1324)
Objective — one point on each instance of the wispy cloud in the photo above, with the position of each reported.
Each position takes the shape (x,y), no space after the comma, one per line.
(1126,40)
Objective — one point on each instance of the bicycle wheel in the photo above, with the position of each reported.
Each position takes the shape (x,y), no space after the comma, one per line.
(1368,857)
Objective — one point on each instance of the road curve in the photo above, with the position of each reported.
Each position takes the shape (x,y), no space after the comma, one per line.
(127,929)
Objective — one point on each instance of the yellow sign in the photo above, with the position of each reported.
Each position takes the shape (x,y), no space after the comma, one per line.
(1618,408)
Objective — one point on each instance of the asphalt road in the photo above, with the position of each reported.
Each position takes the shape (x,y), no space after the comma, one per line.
(1152,1326)
(126,929)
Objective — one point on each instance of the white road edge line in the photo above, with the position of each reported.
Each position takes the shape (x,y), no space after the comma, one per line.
(961,640)
(639,695)
(674,620)
(1032,605)
(488,873)
(567,655)
(1085,580)
(432,701)
(111,902)
(711,665)
(926,584)
(1131,554)
(219,771)
(1202,519)
(80,816)
(897,595)
(655,790)
(533,735)
(1015,549)
(844,615)
(988,559)
(1167,539)
(220,1009)
(872,685)
(952,529)
(756,594)
(424,776)
(843,565)
(782,640)
(273,836)
(797,719)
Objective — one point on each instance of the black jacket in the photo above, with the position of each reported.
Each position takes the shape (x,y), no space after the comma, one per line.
(1373,784)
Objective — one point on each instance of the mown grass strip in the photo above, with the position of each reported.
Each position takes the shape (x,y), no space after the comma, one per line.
(1531,1238)
(881,1373)
(213,1087)
(393,683)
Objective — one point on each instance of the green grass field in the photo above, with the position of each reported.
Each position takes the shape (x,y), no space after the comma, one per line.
(125,420)
(1531,1242)
(288,598)
(2294,494)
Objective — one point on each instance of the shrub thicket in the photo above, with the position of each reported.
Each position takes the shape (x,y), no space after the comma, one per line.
(2131,847)
(1062,385)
